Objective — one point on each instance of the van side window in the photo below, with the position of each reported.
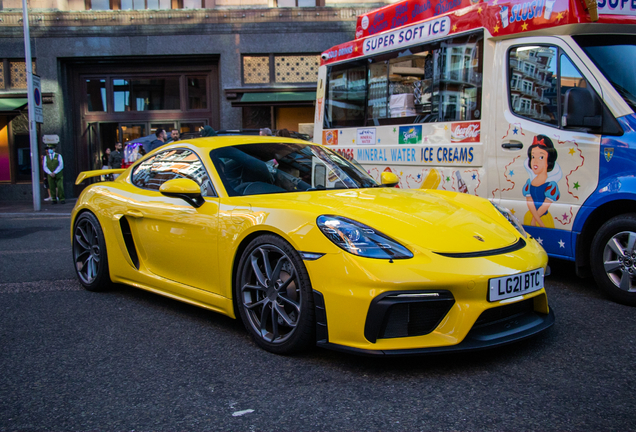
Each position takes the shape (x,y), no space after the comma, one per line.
(433,82)
(533,83)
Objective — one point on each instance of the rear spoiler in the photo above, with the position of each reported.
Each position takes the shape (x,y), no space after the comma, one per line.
(95,173)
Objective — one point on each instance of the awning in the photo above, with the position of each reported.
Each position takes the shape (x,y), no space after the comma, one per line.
(12,104)
(277,98)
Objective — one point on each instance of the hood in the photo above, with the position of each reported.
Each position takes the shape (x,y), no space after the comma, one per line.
(439,221)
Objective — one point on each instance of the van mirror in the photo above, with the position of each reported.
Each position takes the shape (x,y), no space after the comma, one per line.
(389,179)
(582,108)
(186,189)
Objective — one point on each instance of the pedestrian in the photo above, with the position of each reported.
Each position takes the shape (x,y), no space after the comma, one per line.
(53,166)
(175,135)
(115,158)
(208,131)
(283,133)
(45,183)
(161,139)
(265,132)
(105,164)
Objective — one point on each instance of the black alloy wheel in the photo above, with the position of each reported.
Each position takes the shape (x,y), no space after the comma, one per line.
(274,296)
(89,253)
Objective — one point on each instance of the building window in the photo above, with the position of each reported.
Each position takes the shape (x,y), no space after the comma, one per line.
(197,92)
(96,95)
(298,3)
(146,94)
(296,69)
(13,74)
(256,70)
(145,4)
(281,69)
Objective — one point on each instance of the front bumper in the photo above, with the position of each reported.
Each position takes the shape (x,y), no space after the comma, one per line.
(351,295)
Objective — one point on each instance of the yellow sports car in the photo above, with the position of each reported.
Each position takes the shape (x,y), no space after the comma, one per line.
(306,248)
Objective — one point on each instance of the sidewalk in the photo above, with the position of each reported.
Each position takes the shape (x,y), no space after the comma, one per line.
(25,208)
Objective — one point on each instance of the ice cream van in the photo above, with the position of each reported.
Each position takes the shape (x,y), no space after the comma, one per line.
(529,103)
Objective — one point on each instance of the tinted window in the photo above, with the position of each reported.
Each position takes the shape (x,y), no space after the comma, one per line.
(254,169)
(172,164)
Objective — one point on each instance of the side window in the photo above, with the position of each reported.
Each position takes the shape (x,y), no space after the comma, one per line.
(539,77)
(172,164)
(533,83)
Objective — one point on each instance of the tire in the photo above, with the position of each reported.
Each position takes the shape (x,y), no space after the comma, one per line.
(274,296)
(89,253)
(613,258)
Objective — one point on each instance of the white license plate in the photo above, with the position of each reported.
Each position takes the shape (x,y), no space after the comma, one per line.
(515,285)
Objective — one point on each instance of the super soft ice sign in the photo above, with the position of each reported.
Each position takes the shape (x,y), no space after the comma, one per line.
(417,33)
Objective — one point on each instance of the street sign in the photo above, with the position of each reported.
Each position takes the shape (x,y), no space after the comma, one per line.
(51,139)
(37,99)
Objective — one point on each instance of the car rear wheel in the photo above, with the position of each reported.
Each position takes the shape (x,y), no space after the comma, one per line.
(613,258)
(274,296)
(89,253)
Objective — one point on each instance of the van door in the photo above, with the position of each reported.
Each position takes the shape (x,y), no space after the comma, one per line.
(546,170)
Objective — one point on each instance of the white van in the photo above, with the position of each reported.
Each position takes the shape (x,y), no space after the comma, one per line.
(528,103)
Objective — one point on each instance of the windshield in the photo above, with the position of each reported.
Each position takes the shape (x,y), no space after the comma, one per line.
(254,169)
(615,56)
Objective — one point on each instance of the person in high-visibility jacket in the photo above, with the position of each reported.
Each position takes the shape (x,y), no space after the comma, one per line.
(53,166)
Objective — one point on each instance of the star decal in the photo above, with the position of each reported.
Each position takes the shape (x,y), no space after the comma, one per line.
(561,244)
(379,140)
(576,185)
(340,132)
(353,141)
(355,48)
(511,173)
(515,131)
(394,129)
(474,176)
(524,26)
(512,211)
(572,151)
(401,173)
(454,27)
(494,3)
(447,178)
(479,9)
(540,240)
(565,217)
(445,127)
(560,16)
(419,176)
(496,29)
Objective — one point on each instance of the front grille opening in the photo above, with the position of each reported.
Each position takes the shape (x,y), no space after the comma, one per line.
(502,313)
(413,319)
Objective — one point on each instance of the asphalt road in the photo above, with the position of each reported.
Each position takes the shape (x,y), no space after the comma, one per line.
(131,360)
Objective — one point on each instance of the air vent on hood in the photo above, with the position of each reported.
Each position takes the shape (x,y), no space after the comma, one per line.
(518,245)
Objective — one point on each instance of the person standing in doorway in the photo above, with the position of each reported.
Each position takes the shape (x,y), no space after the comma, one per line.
(53,166)
(115,158)
(161,139)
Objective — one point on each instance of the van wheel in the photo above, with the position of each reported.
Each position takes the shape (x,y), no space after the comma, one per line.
(274,296)
(613,258)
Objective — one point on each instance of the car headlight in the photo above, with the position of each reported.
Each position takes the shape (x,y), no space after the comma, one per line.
(512,219)
(360,239)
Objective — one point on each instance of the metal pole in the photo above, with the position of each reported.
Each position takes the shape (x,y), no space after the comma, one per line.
(35,154)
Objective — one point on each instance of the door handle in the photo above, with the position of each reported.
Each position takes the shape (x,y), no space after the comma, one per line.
(516,146)
(134,213)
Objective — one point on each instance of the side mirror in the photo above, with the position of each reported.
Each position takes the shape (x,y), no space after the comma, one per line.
(186,189)
(389,179)
(582,109)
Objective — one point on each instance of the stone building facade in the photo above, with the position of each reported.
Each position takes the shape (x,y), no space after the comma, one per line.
(115,70)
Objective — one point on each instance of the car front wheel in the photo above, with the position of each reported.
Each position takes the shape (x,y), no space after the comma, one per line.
(89,253)
(613,258)
(274,295)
